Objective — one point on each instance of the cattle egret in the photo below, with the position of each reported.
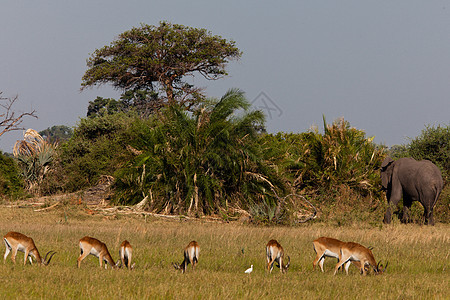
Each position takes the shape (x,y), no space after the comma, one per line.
(249,270)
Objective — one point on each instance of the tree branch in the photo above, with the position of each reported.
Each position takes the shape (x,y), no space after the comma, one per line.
(9,121)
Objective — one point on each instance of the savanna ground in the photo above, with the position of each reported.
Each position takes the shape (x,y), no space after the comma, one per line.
(419,265)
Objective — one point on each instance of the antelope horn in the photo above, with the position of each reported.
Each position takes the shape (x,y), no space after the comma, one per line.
(118,264)
(289,262)
(45,258)
(50,258)
(387,263)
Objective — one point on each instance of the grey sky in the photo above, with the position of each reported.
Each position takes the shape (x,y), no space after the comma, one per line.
(382,65)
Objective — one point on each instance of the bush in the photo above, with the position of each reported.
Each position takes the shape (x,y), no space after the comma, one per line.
(97,147)
(433,144)
(337,169)
(11,183)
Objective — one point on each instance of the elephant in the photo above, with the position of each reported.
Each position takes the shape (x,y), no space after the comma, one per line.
(415,181)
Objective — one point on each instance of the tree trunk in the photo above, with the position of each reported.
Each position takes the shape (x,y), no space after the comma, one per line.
(169,91)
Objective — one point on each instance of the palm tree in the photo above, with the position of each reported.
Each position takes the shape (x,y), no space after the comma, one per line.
(35,156)
(201,162)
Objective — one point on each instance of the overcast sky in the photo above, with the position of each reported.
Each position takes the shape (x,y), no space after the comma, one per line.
(382,65)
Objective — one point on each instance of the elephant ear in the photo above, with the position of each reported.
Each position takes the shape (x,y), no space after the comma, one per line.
(386,162)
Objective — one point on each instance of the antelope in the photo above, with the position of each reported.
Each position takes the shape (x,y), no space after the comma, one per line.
(16,241)
(355,252)
(329,247)
(191,253)
(275,253)
(125,253)
(89,245)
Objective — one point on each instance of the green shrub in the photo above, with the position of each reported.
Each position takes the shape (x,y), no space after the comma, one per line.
(97,147)
(337,169)
(433,144)
(11,183)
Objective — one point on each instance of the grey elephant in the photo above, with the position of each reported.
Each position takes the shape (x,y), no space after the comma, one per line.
(415,181)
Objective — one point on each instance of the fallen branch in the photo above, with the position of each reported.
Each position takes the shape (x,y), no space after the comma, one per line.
(47,208)
(311,217)
(137,210)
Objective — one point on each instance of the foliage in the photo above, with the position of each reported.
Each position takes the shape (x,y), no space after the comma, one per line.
(433,144)
(97,147)
(398,151)
(11,183)
(102,106)
(159,58)
(338,168)
(138,101)
(57,133)
(35,157)
(342,155)
(199,163)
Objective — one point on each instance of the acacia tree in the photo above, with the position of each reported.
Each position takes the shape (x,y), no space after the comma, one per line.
(159,59)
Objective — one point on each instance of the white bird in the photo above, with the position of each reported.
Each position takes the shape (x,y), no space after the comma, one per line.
(249,270)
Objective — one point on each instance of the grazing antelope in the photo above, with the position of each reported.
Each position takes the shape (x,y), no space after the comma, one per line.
(275,253)
(329,247)
(355,252)
(89,245)
(16,241)
(191,253)
(125,253)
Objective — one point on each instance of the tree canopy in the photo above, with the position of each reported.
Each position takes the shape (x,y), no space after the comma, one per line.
(57,133)
(159,58)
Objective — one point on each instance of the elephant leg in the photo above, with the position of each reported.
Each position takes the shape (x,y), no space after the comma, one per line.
(406,218)
(428,215)
(407,203)
(388,215)
(430,220)
(393,197)
(428,198)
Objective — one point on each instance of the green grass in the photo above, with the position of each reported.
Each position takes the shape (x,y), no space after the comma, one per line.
(419,262)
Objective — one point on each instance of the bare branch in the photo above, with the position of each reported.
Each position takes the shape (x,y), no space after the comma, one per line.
(9,121)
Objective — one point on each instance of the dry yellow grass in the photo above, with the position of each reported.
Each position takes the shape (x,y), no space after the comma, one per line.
(418,256)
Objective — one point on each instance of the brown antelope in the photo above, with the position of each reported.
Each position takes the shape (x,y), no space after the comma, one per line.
(125,253)
(89,245)
(16,241)
(355,252)
(275,253)
(191,253)
(329,247)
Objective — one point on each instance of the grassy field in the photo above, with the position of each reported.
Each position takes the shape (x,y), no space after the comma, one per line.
(419,262)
